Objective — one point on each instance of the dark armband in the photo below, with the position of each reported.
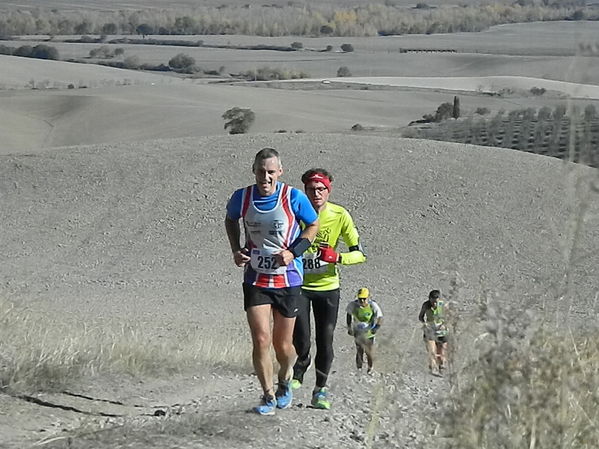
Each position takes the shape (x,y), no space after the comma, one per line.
(357,247)
(300,246)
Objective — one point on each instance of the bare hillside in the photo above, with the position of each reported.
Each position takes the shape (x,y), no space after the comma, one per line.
(133,233)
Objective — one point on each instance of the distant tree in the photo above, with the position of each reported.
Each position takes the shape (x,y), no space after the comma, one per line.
(109,28)
(238,120)
(590,112)
(456,107)
(343,71)
(544,113)
(119,51)
(347,48)
(185,25)
(297,45)
(182,62)
(559,112)
(84,27)
(144,29)
(578,15)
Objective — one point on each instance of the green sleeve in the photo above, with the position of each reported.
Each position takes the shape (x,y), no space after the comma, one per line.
(350,236)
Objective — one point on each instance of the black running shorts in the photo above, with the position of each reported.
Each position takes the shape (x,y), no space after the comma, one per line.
(282,299)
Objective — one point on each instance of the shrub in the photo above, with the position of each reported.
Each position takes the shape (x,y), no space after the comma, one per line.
(329,48)
(131,62)
(87,40)
(103,52)
(24,51)
(297,45)
(238,120)
(343,71)
(270,74)
(4,50)
(119,51)
(326,29)
(181,62)
(43,51)
(444,111)
(347,48)
(537,90)
(482,111)
(357,127)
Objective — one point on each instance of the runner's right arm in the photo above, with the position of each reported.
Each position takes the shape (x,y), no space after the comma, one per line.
(233,230)
(422,313)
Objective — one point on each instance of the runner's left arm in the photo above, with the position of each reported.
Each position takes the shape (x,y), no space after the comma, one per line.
(350,236)
(378,317)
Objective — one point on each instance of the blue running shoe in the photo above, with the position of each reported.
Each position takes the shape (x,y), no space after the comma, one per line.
(284,395)
(267,407)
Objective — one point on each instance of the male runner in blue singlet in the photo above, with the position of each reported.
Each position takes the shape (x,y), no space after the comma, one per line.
(271,213)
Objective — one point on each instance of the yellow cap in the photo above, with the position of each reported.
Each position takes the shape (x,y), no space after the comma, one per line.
(363,293)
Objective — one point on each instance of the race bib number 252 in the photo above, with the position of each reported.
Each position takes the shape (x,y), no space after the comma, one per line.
(264,262)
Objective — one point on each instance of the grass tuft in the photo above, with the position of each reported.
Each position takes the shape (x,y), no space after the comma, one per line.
(40,356)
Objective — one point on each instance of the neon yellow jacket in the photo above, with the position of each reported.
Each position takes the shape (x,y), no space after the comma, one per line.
(335,222)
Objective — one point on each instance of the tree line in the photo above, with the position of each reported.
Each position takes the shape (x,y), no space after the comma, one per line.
(317,20)
(564,132)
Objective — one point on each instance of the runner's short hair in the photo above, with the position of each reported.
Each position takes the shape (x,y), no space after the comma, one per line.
(434,294)
(266,153)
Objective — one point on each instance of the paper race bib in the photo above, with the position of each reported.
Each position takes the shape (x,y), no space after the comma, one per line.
(263,261)
(313,265)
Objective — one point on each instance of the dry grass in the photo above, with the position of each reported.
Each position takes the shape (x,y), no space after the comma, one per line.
(531,386)
(36,355)
(524,376)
